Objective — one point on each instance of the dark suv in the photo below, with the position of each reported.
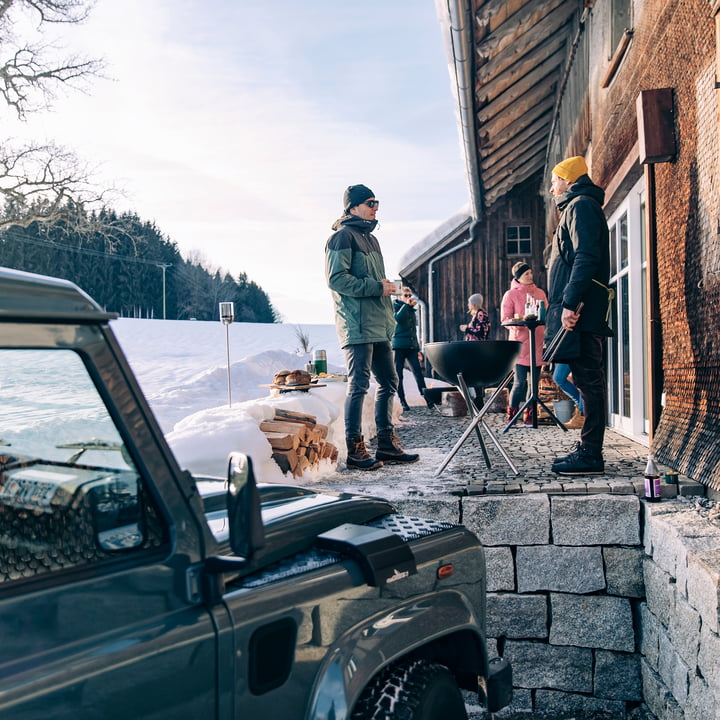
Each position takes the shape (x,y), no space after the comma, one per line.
(130,589)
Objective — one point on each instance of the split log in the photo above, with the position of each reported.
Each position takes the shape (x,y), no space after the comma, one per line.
(292,416)
(287,460)
(283,441)
(290,428)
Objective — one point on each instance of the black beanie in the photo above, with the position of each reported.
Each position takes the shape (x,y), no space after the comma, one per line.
(355,195)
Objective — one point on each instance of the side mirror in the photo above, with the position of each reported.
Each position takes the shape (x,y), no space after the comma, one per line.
(243,504)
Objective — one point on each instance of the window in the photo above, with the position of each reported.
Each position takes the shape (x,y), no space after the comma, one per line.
(620,21)
(518,240)
(69,492)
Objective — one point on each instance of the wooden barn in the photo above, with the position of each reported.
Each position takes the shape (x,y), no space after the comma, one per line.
(633,87)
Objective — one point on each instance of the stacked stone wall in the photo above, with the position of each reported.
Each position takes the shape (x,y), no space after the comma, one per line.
(565,582)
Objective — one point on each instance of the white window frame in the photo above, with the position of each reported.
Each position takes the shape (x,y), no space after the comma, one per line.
(635,424)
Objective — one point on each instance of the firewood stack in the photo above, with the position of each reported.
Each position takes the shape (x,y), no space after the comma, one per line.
(298,441)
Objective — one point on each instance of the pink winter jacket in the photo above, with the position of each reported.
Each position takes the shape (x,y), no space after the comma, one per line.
(513,302)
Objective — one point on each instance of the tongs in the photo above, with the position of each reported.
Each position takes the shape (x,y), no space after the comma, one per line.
(549,354)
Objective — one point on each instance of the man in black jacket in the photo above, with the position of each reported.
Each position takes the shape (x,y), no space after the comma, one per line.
(580,302)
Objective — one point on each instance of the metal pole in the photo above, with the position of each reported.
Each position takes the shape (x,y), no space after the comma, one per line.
(163,267)
(227,346)
(227,315)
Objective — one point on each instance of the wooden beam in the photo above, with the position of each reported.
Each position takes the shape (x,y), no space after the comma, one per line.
(545,75)
(524,157)
(498,76)
(492,14)
(524,103)
(523,31)
(531,135)
(515,178)
(502,130)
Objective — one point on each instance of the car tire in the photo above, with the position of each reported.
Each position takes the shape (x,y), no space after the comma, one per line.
(415,690)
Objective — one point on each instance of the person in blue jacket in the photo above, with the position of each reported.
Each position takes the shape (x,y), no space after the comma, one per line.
(405,344)
(355,273)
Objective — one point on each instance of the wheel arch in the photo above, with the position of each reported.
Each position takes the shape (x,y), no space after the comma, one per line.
(440,627)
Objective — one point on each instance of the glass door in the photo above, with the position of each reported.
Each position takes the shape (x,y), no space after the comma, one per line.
(627,372)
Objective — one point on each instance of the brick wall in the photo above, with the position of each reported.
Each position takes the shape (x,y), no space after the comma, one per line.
(674,46)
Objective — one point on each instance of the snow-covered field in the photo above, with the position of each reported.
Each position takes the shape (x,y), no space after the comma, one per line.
(182,369)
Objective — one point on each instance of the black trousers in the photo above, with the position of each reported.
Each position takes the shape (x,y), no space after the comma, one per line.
(401,355)
(589,376)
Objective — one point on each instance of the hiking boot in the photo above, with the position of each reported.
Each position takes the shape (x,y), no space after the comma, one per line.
(529,415)
(580,462)
(358,457)
(389,450)
(511,413)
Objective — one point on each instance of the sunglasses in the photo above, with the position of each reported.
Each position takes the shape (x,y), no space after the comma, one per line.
(407,294)
(372,203)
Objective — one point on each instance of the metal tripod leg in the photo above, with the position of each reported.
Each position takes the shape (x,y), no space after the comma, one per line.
(473,408)
(473,425)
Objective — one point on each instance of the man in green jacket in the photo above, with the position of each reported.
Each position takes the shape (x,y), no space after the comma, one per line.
(355,274)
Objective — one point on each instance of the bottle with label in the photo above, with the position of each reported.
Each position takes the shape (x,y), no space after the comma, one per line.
(529,305)
(652,480)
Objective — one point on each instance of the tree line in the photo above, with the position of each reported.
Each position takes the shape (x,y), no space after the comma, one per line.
(128,266)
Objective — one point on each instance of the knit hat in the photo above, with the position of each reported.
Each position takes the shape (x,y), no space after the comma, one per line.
(571,168)
(476,300)
(519,269)
(355,195)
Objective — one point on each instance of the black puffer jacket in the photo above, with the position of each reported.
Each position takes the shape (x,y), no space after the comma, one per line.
(580,260)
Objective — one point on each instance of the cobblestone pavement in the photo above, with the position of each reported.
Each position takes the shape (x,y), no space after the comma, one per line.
(532,450)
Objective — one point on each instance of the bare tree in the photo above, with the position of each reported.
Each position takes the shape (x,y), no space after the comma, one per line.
(36,181)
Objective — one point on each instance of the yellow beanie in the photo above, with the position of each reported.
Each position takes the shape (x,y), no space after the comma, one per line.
(571,169)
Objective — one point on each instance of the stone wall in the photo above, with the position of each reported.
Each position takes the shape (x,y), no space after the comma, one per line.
(679,623)
(565,584)
(600,602)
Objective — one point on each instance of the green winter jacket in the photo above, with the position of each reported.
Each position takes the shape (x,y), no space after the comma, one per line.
(354,269)
(405,337)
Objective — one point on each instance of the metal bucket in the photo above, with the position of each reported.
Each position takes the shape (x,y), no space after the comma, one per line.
(564,410)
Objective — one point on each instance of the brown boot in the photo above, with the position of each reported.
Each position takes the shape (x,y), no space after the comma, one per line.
(511,413)
(389,450)
(358,457)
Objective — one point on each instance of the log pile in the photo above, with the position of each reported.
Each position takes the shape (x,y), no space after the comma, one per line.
(298,441)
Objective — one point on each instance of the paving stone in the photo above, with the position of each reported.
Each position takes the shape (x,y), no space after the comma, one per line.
(537,665)
(660,591)
(674,672)
(517,616)
(624,571)
(649,636)
(562,569)
(556,705)
(617,676)
(509,520)
(596,520)
(592,621)
(499,569)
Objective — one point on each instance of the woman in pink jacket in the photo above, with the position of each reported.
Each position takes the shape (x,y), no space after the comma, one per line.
(513,304)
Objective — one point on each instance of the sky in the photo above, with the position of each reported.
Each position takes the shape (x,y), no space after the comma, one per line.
(235,126)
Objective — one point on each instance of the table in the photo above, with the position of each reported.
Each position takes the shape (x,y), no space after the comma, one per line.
(534,398)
